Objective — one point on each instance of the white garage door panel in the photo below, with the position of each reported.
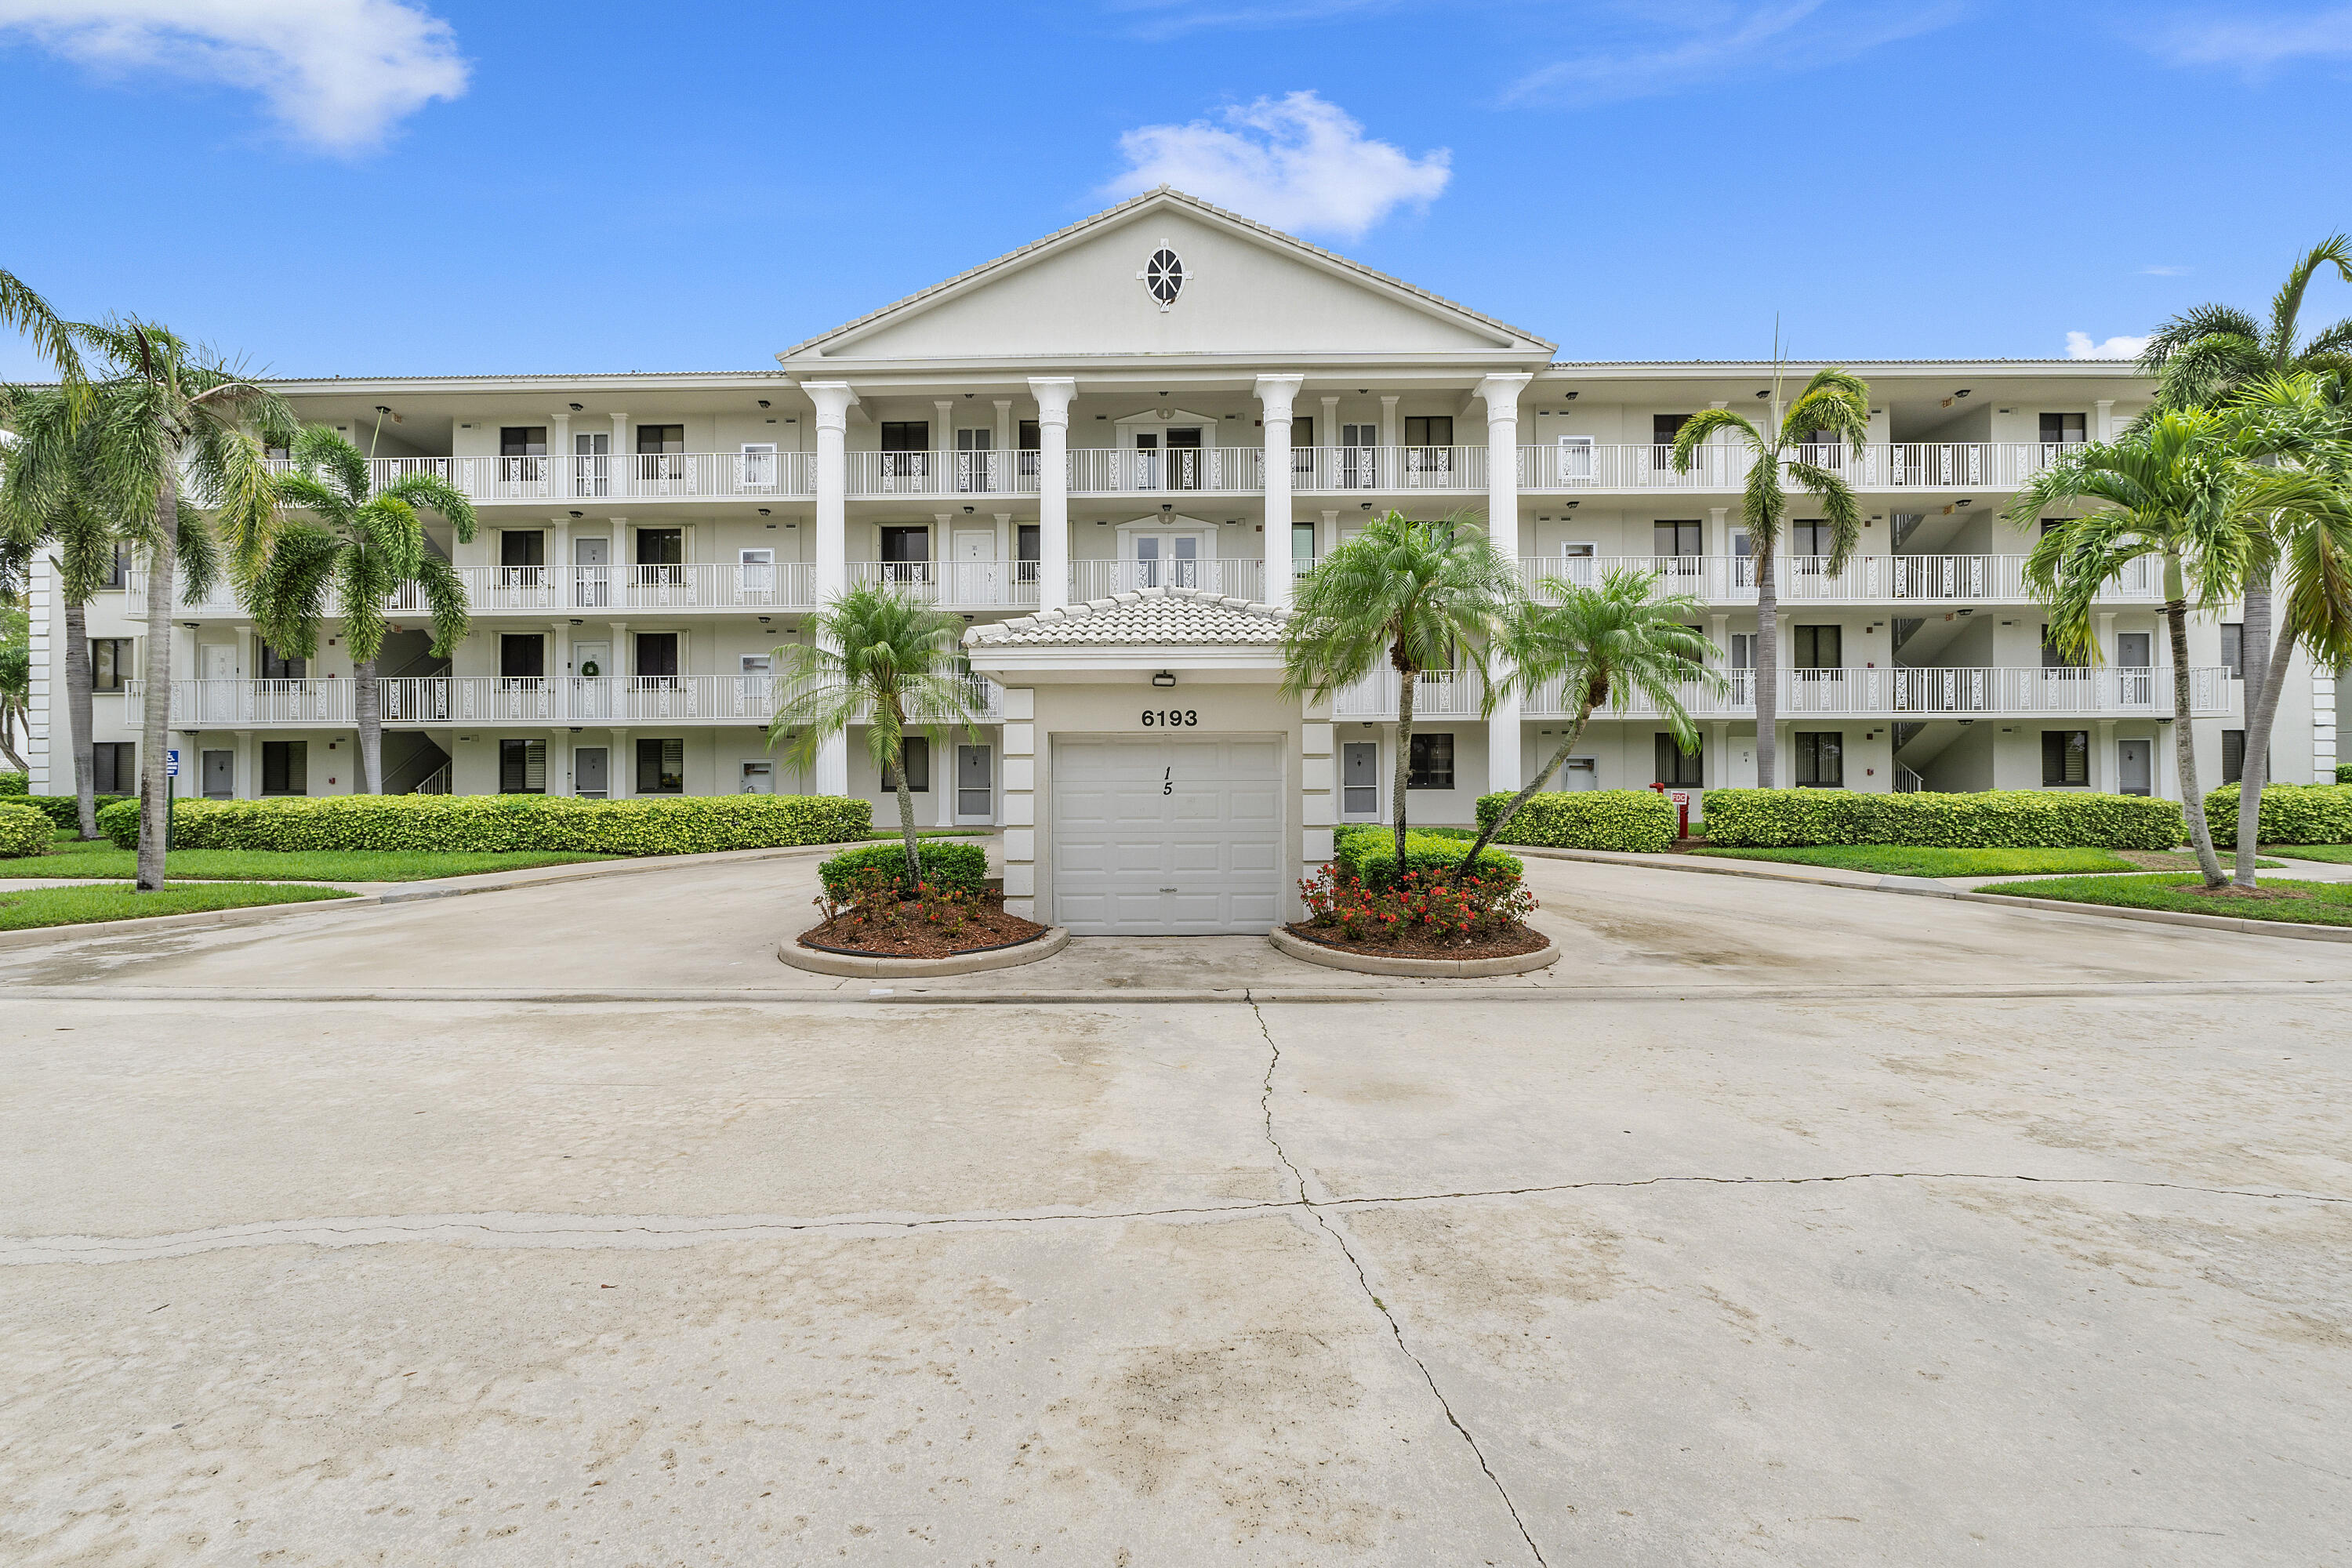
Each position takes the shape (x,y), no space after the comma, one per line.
(1173,836)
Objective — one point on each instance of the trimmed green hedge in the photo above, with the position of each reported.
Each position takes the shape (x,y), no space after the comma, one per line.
(2342,773)
(948,864)
(23,831)
(1366,852)
(667,824)
(1638,819)
(16,784)
(61,809)
(1992,819)
(2292,813)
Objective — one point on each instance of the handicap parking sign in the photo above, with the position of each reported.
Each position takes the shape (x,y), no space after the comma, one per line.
(172,762)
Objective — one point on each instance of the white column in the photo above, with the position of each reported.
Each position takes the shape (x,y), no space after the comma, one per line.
(1318,791)
(1504,762)
(1052,394)
(2104,429)
(829,774)
(1328,537)
(1274,395)
(1719,533)
(48,679)
(624,462)
(1020,766)
(2103,757)
(1388,419)
(558,449)
(943,442)
(1327,432)
(2323,727)
(620,764)
(1001,462)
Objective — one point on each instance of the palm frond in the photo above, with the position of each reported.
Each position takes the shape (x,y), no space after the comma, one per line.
(2197,321)
(1705,426)
(2286,306)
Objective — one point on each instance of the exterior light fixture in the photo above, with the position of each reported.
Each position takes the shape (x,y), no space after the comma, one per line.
(1572,397)
(1165,677)
(763,511)
(578,515)
(575,408)
(1766,393)
(575,620)
(1365,506)
(763,403)
(1961,392)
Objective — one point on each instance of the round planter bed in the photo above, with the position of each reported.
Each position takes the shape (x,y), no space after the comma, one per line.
(885,966)
(1331,956)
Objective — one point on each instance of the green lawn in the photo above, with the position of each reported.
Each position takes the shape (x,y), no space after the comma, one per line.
(71,906)
(73,857)
(1906,860)
(2312,903)
(2340,854)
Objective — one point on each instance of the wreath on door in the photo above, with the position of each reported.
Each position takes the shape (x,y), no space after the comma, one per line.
(588,668)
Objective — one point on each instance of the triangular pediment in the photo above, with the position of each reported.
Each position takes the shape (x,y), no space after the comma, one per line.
(1247,291)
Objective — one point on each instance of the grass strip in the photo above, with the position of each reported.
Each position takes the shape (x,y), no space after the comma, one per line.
(2307,903)
(35,907)
(73,857)
(2335,854)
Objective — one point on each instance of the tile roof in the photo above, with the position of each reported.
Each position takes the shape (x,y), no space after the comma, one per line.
(1147,618)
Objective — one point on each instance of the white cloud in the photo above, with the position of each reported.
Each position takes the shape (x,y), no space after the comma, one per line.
(1648,49)
(2257,45)
(1168,19)
(1298,163)
(338,72)
(2080,346)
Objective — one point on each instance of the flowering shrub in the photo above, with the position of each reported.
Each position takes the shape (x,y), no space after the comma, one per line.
(869,896)
(1419,903)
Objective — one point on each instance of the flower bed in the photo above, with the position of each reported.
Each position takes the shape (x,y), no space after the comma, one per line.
(866,916)
(1422,914)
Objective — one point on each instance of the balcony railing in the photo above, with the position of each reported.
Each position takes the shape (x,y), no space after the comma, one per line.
(1900,464)
(1989,465)
(409,702)
(1866,579)
(1438,694)
(1933,692)
(1234,578)
(1111,471)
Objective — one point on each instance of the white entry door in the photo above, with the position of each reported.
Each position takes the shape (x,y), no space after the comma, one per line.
(1168,836)
(975,569)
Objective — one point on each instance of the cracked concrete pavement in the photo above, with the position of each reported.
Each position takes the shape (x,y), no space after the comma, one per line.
(1778,1224)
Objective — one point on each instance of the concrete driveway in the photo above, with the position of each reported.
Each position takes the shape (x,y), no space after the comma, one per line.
(1777,1225)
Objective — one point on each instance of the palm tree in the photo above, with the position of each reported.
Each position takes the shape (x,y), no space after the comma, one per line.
(1835,404)
(356,549)
(46,499)
(2204,356)
(884,651)
(2170,488)
(1605,646)
(175,451)
(2302,526)
(1409,592)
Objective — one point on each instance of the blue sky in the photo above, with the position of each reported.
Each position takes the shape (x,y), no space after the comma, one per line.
(425,186)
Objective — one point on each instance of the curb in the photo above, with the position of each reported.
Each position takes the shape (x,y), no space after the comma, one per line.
(509,881)
(1295,946)
(790,952)
(1927,888)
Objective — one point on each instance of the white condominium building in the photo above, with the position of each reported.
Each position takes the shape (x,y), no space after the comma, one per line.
(1110,451)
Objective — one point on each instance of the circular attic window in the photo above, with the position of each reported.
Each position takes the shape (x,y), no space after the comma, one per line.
(1164,276)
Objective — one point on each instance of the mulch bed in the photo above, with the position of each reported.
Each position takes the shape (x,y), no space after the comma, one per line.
(2236,892)
(1508,942)
(985,926)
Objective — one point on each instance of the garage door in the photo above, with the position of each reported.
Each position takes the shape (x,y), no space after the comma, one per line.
(1170,838)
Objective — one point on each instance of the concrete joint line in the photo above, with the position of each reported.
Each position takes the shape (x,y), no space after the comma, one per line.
(1307,1200)
(660,1231)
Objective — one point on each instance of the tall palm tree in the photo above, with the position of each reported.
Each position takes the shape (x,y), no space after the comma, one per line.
(47,500)
(349,556)
(1411,593)
(1605,645)
(888,660)
(2204,356)
(178,450)
(1835,404)
(2170,488)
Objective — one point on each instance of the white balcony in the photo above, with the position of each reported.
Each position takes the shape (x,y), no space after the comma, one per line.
(1438,694)
(1176,470)
(1923,692)
(1991,466)
(918,474)
(414,702)
(1235,578)
(1866,579)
